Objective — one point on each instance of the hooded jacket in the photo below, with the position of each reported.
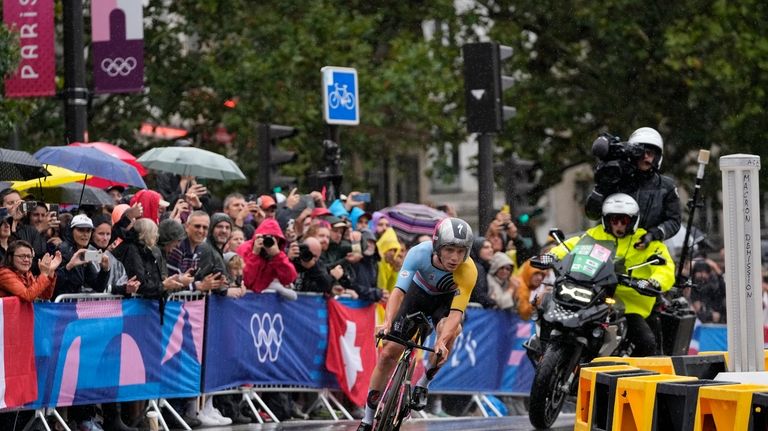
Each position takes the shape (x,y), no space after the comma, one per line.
(480,294)
(523,292)
(259,271)
(664,275)
(498,290)
(387,274)
(150,202)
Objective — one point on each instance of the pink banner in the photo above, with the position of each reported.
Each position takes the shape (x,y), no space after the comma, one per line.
(118,46)
(33,21)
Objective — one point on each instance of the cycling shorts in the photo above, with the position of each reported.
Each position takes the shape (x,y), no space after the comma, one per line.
(435,307)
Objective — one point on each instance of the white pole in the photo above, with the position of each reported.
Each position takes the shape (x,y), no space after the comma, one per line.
(743,277)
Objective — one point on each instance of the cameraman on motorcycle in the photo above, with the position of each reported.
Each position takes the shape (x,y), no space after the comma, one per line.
(656,194)
(620,224)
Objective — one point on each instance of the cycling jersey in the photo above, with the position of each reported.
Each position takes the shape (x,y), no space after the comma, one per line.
(418,269)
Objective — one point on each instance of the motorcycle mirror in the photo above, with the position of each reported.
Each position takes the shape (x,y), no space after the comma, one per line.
(558,235)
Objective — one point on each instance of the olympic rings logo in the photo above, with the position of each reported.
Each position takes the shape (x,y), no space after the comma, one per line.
(118,66)
(267,333)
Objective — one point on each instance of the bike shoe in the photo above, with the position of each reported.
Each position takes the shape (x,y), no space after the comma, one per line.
(419,398)
(364,427)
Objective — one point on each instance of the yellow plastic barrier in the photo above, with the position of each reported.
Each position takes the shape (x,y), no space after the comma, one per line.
(725,407)
(634,401)
(587,389)
(660,364)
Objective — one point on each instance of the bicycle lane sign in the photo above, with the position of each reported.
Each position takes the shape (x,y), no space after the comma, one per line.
(341,102)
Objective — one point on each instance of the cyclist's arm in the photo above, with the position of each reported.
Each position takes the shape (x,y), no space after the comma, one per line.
(465,278)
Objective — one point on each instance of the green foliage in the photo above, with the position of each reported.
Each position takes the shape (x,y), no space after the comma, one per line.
(693,69)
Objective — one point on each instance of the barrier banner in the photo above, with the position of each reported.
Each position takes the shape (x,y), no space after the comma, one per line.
(102,351)
(474,364)
(263,339)
(518,370)
(18,377)
(33,21)
(351,354)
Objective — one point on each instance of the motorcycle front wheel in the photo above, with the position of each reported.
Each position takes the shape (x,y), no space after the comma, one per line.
(549,390)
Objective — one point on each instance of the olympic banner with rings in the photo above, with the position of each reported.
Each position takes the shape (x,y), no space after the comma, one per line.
(118,46)
(263,339)
(105,351)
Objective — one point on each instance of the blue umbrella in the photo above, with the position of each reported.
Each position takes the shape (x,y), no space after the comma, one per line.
(91,161)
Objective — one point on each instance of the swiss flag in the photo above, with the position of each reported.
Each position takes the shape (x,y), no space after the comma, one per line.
(18,376)
(351,352)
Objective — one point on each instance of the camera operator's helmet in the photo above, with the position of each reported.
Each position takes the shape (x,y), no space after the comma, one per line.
(620,204)
(649,136)
(452,231)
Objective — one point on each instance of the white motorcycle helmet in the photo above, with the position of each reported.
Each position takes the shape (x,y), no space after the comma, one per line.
(649,136)
(620,203)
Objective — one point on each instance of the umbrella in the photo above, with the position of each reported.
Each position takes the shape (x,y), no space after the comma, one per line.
(191,161)
(57,176)
(91,161)
(71,194)
(19,165)
(113,151)
(411,220)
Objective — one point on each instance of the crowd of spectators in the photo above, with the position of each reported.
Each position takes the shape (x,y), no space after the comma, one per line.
(181,238)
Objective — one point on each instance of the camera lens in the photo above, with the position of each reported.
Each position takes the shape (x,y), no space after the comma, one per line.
(268,241)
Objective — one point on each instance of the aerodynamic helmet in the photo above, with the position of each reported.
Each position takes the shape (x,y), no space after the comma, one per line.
(649,136)
(452,231)
(620,204)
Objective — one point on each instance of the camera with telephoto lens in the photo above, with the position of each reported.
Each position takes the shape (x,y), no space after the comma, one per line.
(305,254)
(268,241)
(618,161)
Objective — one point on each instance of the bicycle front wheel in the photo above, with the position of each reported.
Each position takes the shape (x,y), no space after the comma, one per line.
(388,409)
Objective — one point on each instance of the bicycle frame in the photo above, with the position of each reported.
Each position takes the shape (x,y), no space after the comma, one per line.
(394,406)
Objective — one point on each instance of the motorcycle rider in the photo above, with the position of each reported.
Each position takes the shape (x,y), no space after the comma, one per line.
(655,194)
(620,223)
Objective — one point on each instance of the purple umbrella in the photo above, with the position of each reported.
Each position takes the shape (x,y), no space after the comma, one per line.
(411,220)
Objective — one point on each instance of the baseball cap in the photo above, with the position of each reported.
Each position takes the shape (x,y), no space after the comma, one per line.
(319,212)
(117,187)
(267,202)
(81,220)
(336,222)
(164,203)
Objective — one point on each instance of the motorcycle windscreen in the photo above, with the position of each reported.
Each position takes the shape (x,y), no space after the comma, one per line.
(590,260)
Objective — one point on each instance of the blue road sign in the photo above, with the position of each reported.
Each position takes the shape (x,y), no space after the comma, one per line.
(341,102)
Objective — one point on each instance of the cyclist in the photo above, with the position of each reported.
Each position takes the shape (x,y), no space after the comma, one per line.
(437,279)
(620,224)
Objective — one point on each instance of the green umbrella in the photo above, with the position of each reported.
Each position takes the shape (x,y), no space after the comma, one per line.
(191,161)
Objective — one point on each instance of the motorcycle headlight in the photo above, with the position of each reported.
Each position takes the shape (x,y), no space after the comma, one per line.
(574,292)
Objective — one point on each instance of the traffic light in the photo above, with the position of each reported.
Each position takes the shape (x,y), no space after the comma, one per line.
(271,157)
(520,182)
(484,85)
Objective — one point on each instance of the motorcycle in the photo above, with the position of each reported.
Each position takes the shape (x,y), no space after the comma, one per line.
(578,321)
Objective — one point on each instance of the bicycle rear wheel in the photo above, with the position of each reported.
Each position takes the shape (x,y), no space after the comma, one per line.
(388,409)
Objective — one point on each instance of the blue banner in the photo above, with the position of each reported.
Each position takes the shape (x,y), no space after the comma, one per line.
(103,351)
(265,340)
(476,363)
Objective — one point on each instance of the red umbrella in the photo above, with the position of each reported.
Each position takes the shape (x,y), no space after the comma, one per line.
(113,151)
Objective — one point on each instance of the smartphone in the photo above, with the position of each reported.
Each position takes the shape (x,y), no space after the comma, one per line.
(54,208)
(92,256)
(28,206)
(363,197)
(356,248)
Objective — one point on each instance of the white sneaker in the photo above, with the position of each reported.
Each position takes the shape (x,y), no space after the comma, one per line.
(214,413)
(206,419)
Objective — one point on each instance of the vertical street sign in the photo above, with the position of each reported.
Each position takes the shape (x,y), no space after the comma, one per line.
(341,101)
(118,46)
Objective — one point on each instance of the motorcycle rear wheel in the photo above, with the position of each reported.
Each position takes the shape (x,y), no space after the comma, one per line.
(547,391)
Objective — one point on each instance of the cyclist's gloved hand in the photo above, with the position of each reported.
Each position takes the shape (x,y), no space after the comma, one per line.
(647,287)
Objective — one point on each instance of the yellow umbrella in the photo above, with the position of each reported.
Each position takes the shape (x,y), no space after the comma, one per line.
(58,177)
